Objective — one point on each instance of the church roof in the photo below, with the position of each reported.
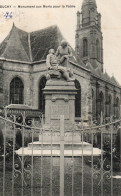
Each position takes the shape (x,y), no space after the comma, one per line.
(98,72)
(15,46)
(30,47)
(34,46)
(90,67)
(113,79)
(43,40)
(89,1)
(106,76)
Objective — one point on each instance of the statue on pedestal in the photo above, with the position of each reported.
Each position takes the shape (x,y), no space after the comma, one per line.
(55,70)
(63,52)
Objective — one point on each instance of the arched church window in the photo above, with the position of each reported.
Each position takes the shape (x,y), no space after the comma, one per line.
(16,91)
(101,103)
(110,105)
(85,47)
(42,84)
(93,103)
(98,49)
(78,99)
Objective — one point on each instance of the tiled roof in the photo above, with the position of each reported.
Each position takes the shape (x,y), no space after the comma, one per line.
(113,79)
(90,67)
(42,40)
(106,76)
(15,46)
(30,47)
(34,46)
(97,71)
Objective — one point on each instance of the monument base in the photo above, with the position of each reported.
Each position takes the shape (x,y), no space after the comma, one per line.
(51,137)
(70,150)
(49,144)
(59,128)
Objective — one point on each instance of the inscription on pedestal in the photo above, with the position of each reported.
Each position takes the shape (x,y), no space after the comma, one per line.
(57,110)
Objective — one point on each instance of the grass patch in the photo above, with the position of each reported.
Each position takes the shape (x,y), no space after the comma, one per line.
(73,168)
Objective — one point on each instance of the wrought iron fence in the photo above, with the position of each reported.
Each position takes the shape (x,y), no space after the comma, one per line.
(29,167)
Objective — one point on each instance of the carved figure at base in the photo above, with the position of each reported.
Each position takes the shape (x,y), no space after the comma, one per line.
(55,70)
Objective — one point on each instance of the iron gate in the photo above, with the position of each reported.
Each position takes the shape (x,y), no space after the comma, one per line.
(61,173)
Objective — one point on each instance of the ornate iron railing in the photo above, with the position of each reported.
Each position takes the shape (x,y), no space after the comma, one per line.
(29,167)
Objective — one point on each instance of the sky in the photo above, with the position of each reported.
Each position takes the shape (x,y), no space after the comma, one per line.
(31,19)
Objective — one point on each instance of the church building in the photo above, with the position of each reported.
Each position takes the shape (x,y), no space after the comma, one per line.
(23,67)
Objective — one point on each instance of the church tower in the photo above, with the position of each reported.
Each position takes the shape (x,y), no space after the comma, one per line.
(89,40)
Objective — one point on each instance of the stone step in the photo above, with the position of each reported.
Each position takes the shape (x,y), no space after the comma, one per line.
(56,145)
(56,153)
(55,137)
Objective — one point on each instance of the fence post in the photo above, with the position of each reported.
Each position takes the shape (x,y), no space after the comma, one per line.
(101,122)
(4,161)
(120,138)
(62,155)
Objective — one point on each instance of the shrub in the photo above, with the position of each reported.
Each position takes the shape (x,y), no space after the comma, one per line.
(27,141)
(19,138)
(118,144)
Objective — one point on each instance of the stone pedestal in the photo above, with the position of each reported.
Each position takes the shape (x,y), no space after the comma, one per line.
(59,101)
